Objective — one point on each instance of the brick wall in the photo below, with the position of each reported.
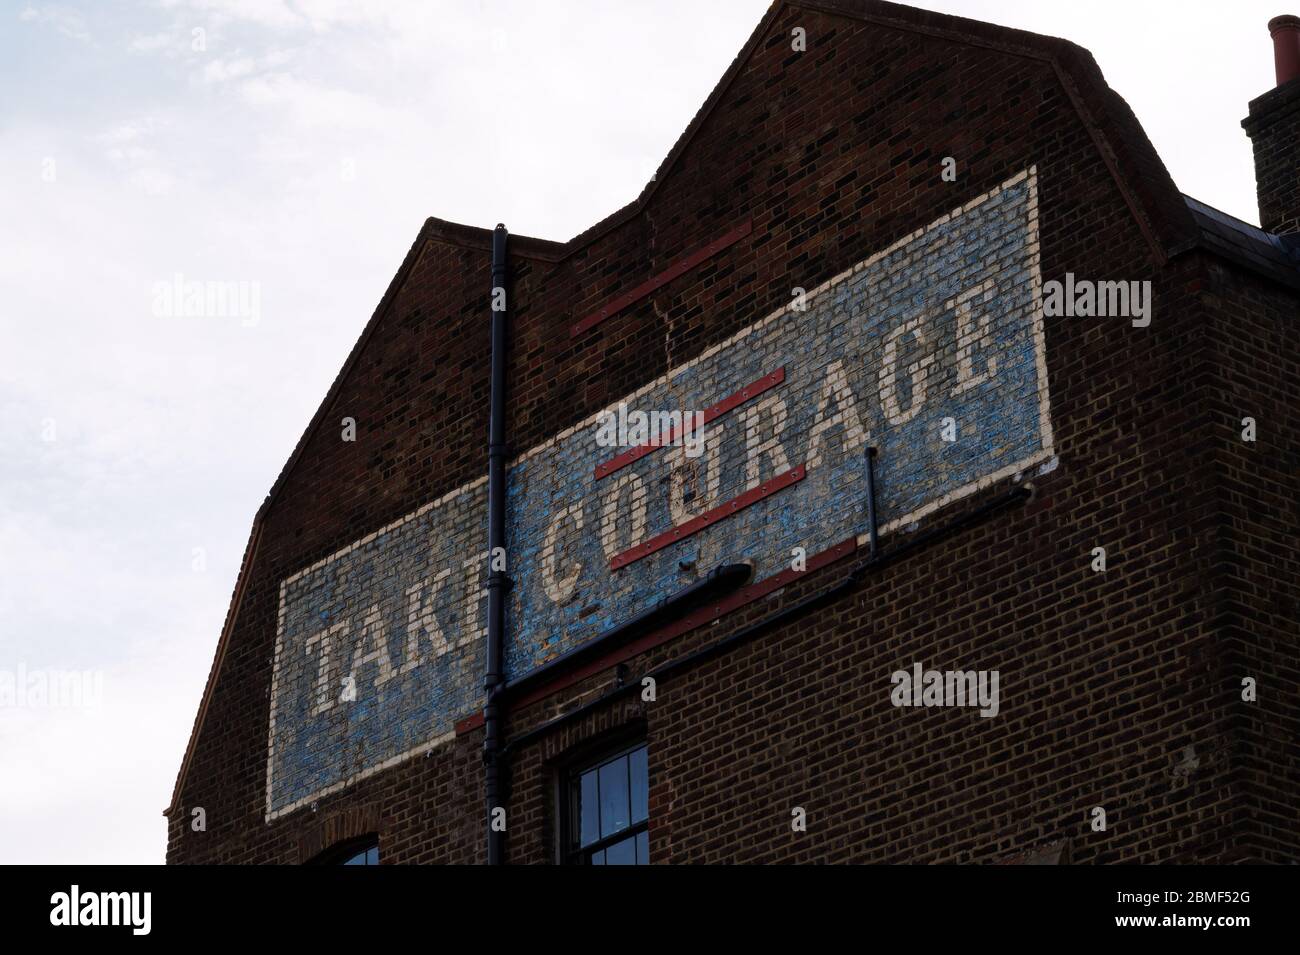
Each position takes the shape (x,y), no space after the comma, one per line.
(1253,371)
(1115,686)
(1274,128)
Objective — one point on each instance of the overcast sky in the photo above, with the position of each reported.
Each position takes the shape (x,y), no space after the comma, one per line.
(299,147)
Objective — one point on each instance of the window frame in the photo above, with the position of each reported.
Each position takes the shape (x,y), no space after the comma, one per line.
(342,852)
(567,787)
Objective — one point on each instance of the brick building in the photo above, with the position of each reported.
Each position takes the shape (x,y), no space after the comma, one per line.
(886,229)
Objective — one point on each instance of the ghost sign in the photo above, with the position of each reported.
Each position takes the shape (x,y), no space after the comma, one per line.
(930,350)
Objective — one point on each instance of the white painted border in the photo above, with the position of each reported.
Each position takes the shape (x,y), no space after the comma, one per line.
(1040,360)
(1045,430)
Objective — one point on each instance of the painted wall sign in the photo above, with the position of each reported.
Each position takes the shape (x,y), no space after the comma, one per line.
(932,350)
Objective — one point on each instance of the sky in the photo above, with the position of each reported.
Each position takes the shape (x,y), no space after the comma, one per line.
(294,147)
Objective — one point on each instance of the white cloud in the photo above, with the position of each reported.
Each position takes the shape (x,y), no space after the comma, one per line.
(128,150)
(313,106)
(220,71)
(273,14)
(153,42)
(127,132)
(67,24)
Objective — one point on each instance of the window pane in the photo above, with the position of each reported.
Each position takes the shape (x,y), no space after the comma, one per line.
(588,810)
(349,853)
(598,858)
(621,853)
(614,808)
(368,856)
(640,786)
(643,849)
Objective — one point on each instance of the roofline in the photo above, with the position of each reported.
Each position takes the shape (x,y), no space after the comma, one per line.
(1073,66)
(1287,245)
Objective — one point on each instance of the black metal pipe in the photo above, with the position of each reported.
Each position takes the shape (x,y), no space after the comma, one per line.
(713,649)
(721,580)
(851,580)
(873,529)
(498,581)
(975,516)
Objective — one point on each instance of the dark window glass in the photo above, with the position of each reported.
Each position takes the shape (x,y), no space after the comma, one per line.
(615,811)
(368,856)
(360,851)
(609,814)
(640,783)
(622,853)
(590,825)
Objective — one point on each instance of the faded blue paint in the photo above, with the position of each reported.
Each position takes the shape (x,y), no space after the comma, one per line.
(997,419)
(998,424)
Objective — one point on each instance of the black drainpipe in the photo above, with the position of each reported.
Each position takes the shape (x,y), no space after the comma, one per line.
(873,529)
(498,582)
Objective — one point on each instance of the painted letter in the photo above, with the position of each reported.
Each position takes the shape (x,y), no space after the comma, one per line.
(917,370)
(775,408)
(324,679)
(968,336)
(420,616)
(372,632)
(559,589)
(835,387)
(609,535)
(705,497)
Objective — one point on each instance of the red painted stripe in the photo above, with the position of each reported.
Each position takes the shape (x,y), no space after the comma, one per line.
(748,393)
(680,267)
(708,518)
(469,723)
(671,631)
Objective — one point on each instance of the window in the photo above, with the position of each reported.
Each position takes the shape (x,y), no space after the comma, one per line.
(368,856)
(362,851)
(608,813)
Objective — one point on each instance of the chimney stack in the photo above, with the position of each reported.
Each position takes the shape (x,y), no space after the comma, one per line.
(1285,32)
(1274,129)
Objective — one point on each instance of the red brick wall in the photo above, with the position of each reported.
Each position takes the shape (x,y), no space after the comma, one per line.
(1254,371)
(1107,679)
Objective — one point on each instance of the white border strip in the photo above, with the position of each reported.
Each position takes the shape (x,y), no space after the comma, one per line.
(1040,360)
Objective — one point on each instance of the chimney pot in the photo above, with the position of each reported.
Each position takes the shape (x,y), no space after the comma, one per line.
(1285,31)
(1274,130)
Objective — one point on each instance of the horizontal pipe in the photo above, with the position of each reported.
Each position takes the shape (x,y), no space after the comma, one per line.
(851,580)
(721,580)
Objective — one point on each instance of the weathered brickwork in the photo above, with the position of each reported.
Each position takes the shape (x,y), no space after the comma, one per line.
(1275,137)
(1253,362)
(1120,689)
(379,646)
